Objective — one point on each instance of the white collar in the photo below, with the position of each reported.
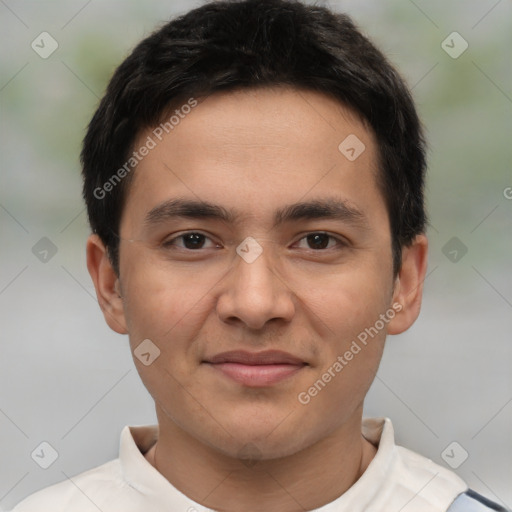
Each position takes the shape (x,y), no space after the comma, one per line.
(396,478)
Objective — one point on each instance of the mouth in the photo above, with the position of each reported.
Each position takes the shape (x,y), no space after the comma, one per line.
(256,369)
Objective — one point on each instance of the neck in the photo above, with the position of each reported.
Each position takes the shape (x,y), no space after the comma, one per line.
(305,480)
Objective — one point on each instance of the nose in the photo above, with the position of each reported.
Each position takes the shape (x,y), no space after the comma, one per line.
(254,293)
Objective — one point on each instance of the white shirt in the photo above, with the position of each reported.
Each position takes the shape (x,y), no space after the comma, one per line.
(396,480)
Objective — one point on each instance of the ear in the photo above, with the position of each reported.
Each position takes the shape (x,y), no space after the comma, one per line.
(107,284)
(408,288)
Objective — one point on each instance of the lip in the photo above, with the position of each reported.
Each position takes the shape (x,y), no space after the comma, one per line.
(256,369)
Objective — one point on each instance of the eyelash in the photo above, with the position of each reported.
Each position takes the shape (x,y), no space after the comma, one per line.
(171,242)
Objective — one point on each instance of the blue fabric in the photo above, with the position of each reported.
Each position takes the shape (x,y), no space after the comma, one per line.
(471,501)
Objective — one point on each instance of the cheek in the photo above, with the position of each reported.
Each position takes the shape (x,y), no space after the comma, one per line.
(339,389)
(346,371)
(168,310)
(348,306)
(161,301)
(346,301)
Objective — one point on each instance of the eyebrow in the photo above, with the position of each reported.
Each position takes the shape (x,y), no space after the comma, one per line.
(329,208)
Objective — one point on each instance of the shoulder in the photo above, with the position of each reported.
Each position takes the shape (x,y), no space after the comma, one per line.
(440,488)
(404,479)
(471,501)
(422,483)
(86,492)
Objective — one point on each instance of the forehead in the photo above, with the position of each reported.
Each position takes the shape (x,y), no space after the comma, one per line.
(258,117)
(251,148)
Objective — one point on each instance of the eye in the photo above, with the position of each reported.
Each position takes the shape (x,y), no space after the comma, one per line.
(319,241)
(194,240)
(191,241)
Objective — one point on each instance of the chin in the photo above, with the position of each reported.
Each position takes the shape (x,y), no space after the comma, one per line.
(262,440)
(254,450)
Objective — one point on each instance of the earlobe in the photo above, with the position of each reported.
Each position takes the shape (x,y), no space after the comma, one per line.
(408,289)
(106,283)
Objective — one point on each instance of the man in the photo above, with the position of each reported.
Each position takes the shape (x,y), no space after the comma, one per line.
(254,183)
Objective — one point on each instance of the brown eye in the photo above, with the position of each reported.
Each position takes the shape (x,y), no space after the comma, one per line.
(191,241)
(319,241)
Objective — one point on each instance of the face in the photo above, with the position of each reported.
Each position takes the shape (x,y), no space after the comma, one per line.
(256,257)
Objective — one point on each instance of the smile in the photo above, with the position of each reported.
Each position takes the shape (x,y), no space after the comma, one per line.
(256,369)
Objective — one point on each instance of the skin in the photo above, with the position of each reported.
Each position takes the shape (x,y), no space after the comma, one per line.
(225,445)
